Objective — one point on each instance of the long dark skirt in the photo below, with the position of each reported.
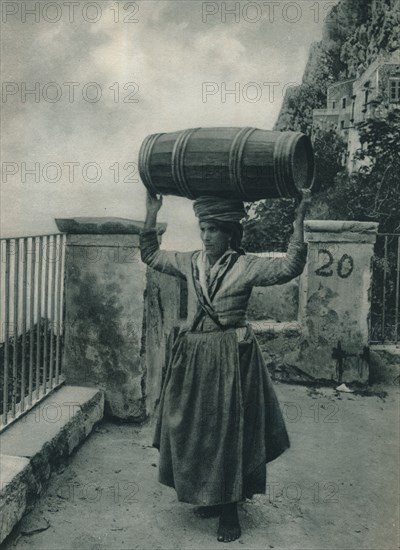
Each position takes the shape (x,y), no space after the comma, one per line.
(219,420)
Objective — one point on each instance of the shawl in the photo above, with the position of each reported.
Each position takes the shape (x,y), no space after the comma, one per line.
(207,280)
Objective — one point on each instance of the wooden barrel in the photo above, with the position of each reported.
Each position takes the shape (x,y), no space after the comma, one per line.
(245,163)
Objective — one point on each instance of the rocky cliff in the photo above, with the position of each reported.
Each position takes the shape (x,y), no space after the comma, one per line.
(354,35)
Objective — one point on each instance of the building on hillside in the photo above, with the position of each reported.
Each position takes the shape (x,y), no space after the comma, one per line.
(352,101)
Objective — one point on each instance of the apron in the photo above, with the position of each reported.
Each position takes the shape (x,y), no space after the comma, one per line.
(219,420)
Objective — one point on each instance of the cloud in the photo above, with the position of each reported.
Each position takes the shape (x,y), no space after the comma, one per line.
(168,54)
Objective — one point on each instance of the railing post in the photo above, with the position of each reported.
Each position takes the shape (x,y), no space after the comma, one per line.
(22,317)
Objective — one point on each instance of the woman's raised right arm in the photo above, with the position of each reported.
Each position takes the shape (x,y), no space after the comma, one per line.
(153,205)
(266,271)
(169,262)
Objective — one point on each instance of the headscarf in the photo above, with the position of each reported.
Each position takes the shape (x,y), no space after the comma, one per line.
(226,213)
(219,209)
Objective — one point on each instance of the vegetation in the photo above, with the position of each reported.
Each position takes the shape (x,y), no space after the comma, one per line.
(12,342)
(373,192)
(370,194)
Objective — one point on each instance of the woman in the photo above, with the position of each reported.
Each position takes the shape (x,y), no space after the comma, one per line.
(219,421)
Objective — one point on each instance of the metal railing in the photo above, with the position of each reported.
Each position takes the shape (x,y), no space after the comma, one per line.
(31,328)
(385,314)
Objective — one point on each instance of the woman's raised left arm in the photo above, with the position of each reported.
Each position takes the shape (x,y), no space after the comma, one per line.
(301,211)
(271,271)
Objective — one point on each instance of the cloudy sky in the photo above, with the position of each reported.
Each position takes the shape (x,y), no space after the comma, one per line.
(106,74)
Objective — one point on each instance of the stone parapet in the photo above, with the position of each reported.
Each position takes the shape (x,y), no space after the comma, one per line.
(103,226)
(325,231)
(335,300)
(105,284)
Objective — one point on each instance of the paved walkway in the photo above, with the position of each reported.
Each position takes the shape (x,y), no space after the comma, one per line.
(336,488)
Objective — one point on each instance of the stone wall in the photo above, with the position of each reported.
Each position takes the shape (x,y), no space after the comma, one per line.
(335,300)
(104,310)
(162,313)
(105,283)
(120,316)
(317,324)
(276,302)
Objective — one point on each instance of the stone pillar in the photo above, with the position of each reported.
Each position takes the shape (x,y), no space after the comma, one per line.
(105,283)
(335,300)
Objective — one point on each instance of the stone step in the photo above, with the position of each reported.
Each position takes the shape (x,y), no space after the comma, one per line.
(34,445)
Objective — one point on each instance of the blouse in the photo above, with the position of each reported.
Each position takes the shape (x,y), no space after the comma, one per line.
(233,294)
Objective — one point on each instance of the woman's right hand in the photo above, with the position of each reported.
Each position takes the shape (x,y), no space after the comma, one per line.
(153,203)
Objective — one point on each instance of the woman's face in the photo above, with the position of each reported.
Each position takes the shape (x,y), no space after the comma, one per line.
(215,241)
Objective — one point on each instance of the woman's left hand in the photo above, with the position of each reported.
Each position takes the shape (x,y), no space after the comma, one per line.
(301,211)
(304,205)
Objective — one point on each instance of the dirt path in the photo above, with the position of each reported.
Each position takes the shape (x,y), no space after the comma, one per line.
(336,488)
